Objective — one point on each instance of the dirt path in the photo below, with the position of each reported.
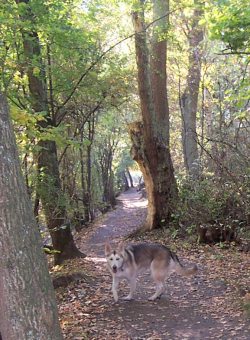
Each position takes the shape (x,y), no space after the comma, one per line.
(193,308)
(129,214)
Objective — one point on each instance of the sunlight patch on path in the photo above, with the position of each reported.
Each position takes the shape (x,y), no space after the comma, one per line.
(133,204)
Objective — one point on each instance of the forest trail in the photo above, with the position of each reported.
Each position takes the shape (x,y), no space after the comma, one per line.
(195,308)
(126,218)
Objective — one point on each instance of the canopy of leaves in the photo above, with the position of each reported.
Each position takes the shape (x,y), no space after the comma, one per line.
(91,79)
(230,23)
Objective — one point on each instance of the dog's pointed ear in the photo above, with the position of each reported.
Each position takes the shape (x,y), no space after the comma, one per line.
(121,247)
(107,248)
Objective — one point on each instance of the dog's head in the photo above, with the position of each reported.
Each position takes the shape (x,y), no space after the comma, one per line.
(114,257)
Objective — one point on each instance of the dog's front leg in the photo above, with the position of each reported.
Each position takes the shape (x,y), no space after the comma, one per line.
(115,285)
(132,286)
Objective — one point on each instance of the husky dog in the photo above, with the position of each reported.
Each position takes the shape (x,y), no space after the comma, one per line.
(127,262)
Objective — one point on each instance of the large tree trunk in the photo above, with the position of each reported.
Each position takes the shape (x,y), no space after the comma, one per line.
(52,202)
(27,303)
(158,68)
(189,99)
(50,190)
(151,136)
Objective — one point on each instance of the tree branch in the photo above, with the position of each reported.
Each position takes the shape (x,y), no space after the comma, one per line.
(105,53)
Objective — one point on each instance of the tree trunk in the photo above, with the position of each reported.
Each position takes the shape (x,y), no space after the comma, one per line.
(50,190)
(111,193)
(158,68)
(151,136)
(85,194)
(91,132)
(27,305)
(106,160)
(53,205)
(130,178)
(189,99)
(125,181)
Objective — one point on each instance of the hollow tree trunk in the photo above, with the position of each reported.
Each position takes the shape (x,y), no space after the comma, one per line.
(50,191)
(151,136)
(189,99)
(27,303)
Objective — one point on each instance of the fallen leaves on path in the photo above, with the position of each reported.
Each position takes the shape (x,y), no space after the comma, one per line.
(208,306)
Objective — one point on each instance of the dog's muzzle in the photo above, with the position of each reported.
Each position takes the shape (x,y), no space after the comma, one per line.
(114,268)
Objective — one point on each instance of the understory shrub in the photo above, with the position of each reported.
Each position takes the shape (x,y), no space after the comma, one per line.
(216,209)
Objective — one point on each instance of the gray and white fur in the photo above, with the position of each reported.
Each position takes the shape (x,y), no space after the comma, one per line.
(127,262)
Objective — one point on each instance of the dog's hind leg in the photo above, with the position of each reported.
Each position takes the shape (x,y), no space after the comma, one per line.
(160,289)
(132,287)
(159,274)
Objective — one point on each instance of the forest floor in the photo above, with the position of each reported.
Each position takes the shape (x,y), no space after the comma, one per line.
(207,306)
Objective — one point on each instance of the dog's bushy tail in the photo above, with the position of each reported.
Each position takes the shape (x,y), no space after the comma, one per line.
(185,271)
(181,270)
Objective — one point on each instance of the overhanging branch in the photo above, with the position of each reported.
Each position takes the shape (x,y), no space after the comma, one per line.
(105,53)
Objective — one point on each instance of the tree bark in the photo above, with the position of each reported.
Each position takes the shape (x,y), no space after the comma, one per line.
(151,136)
(85,194)
(158,68)
(189,99)
(49,187)
(125,181)
(27,305)
(91,133)
(130,178)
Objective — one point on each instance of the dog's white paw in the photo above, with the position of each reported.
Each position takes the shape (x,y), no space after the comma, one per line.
(154,298)
(151,298)
(127,298)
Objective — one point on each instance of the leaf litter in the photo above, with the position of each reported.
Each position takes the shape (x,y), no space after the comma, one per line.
(207,306)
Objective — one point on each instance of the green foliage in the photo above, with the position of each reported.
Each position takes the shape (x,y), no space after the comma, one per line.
(72,38)
(48,189)
(50,251)
(74,35)
(211,202)
(230,23)
(202,200)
